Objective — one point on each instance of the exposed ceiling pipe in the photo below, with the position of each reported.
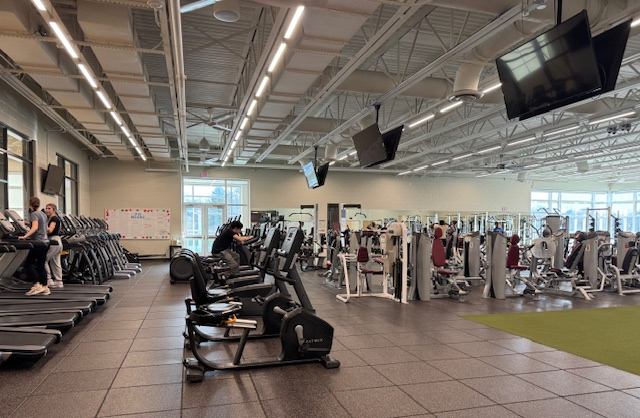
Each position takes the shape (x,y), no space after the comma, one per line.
(166,45)
(375,82)
(179,78)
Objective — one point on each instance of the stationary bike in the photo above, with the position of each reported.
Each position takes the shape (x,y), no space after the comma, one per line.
(304,337)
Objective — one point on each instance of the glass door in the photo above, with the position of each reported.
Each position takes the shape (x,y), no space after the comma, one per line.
(201,226)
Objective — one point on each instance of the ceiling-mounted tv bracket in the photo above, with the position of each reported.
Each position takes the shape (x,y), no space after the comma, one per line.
(315,155)
(558,12)
(377,107)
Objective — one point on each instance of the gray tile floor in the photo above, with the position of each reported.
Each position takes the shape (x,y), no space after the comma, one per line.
(418,360)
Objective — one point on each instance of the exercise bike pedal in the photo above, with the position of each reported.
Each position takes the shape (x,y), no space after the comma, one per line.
(329,363)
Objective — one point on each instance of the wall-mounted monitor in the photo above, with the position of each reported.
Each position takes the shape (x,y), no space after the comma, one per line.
(369,146)
(552,70)
(53,180)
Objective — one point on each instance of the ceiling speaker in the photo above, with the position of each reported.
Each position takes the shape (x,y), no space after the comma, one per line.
(227,10)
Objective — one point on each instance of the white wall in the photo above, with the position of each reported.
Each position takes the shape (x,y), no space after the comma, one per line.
(121,184)
(24,118)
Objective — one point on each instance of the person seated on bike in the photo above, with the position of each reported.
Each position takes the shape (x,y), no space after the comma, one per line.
(222,245)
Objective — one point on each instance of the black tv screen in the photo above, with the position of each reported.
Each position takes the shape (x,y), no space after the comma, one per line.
(321,173)
(552,70)
(369,146)
(53,180)
(391,140)
(310,174)
(609,47)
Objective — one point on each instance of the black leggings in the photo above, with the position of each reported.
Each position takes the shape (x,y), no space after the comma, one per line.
(34,264)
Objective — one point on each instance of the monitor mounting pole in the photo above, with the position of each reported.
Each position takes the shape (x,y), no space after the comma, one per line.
(377,107)
(558,11)
(315,155)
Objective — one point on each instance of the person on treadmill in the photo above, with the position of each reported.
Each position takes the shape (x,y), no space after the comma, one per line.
(222,245)
(35,261)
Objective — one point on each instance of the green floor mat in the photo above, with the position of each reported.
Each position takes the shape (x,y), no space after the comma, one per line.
(609,336)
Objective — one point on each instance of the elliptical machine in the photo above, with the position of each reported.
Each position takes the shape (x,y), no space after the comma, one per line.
(304,337)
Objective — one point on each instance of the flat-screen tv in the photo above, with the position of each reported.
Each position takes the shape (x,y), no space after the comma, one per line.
(391,140)
(53,180)
(310,174)
(369,146)
(552,70)
(321,173)
(609,47)
(315,177)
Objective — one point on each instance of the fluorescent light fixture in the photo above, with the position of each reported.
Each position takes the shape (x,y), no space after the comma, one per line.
(521,141)
(39,5)
(115,117)
(138,150)
(459,157)
(332,163)
(592,155)
(238,135)
(353,152)
(439,163)
(491,88)
(233,145)
(252,106)
(483,175)
(104,100)
(424,167)
(143,157)
(63,39)
(561,160)
(531,166)
(294,22)
(244,122)
(635,23)
(489,149)
(342,157)
(571,128)
(263,86)
(404,173)
(88,76)
(423,120)
(607,119)
(277,57)
(126,131)
(451,106)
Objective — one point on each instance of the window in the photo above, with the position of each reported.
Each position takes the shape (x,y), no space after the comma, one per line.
(68,201)
(16,170)
(209,203)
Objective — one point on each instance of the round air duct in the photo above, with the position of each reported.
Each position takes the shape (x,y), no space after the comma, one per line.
(523,176)
(582,166)
(330,152)
(465,86)
(227,10)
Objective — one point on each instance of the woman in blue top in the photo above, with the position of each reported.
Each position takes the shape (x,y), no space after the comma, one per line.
(34,263)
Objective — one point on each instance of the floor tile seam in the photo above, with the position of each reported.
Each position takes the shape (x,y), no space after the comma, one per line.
(259,399)
(513,374)
(595,381)
(507,404)
(433,413)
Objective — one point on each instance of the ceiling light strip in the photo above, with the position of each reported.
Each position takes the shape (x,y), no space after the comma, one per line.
(459,157)
(423,120)
(440,163)
(521,141)
(88,75)
(39,5)
(571,128)
(63,38)
(451,106)
(497,147)
(263,86)
(104,100)
(294,22)
(276,58)
(491,88)
(607,119)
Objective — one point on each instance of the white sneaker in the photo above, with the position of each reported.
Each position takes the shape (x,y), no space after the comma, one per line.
(50,282)
(44,291)
(34,290)
(56,284)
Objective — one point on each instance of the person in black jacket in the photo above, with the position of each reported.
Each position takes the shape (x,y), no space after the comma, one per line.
(222,245)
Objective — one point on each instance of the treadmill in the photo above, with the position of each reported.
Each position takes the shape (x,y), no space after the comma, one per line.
(26,344)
